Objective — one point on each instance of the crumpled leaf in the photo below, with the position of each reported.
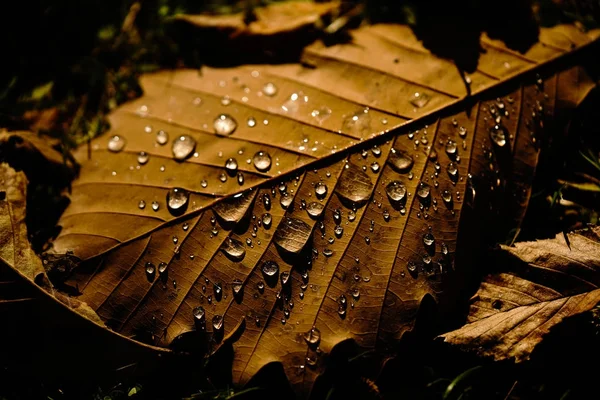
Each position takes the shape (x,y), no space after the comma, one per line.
(354,171)
(543,283)
(276,19)
(276,32)
(14,245)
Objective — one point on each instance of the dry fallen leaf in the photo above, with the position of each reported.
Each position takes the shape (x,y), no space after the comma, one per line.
(544,282)
(288,208)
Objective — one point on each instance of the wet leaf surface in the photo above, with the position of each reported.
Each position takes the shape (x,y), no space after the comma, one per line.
(252,149)
(544,282)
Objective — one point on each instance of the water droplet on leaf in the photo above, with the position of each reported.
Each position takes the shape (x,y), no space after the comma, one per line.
(162,137)
(400,161)
(269,89)
(217,322)
(116,143)
(420,100)
(320,190)
(177,200)
(314,209)
(224,125)
(313,336)
(183,147)
(233,249)
(270,268)
(262,161)
(498,135)
(143,157)
(396,192)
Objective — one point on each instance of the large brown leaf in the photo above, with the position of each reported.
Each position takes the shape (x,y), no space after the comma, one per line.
(544,282)
(371,146)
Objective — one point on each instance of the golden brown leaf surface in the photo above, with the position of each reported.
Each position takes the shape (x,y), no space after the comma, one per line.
(545,282)
(371,145)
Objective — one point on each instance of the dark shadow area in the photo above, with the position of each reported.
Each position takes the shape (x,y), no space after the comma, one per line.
(556,206)
(452,29)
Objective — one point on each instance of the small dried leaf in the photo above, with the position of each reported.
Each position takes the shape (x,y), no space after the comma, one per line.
(545,282)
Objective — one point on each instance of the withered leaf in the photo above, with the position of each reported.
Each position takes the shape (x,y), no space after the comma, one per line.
(544,282)
(286,136)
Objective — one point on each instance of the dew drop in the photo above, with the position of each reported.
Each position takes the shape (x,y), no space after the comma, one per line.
(199,315)
(150,270)
(321,114)
(420,100)
(452,171)
(320,190)
(423,191)
(155,205)
(266,201)
(231,166)
(225,100)
(183,147)
(204,183)
(342,305)
(266,220)
(447,196)
(162,268)
(354,185)
(217,322)
(314,209)
(142,204)
(498,134)
(269,89)
(444,249)
(285,278)
(224,125)
(116,144)
(338,231)
(162,137)
(400,161)
(270,268)
(237,286)
(396,192)
(375,167)
(451,147)
(233,249)
(428,239)
(412,267)
(262,161)
(177,200)
(386,215)
(142,157)
(251,122)
(292,235)
(313,336)
(285,201)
